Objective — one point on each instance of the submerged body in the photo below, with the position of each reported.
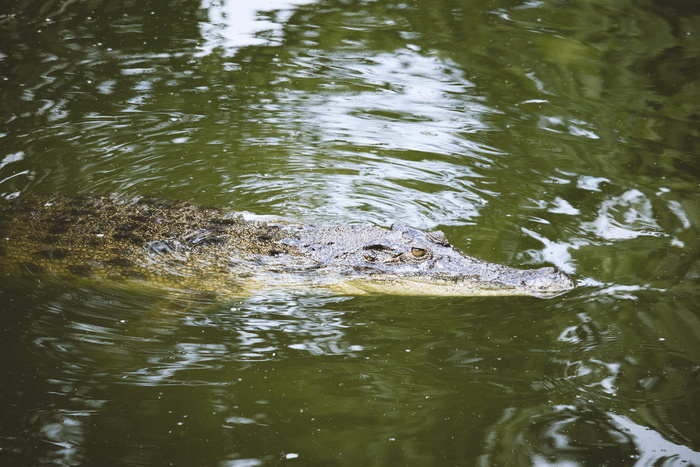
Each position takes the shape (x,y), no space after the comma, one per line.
(189,246)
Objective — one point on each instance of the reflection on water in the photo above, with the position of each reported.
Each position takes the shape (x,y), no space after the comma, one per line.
(532,133)
(239,23)
(567,434)
(196,344)
(86,341)
(392,150)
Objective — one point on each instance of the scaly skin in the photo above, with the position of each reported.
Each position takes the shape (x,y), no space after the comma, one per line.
(194,247)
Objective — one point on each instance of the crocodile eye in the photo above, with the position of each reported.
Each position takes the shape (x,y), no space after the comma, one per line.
(419,252)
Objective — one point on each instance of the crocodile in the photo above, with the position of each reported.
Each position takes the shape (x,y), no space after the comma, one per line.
(193,247)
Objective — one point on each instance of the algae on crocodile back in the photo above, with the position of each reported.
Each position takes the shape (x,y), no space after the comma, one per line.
(194,247)
(119,237)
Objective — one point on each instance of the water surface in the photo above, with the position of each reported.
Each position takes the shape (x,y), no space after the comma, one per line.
(532,133)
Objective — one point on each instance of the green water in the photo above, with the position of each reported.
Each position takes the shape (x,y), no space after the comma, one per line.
(532,133)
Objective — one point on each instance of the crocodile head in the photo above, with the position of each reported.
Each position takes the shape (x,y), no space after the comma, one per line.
(408,261)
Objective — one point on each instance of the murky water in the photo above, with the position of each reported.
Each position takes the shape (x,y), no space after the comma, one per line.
(532,133)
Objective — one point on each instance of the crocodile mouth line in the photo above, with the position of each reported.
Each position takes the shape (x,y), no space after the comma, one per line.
(449,287)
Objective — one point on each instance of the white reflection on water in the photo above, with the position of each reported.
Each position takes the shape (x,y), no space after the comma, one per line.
(399,135)
(556,253)
(410,101)
(238,23)
(272,326)
(629,215)
(653,448)
(563,435)
(65,432)
(372,188)
(629,218)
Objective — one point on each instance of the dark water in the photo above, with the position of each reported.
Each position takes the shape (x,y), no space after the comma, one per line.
(533,133)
